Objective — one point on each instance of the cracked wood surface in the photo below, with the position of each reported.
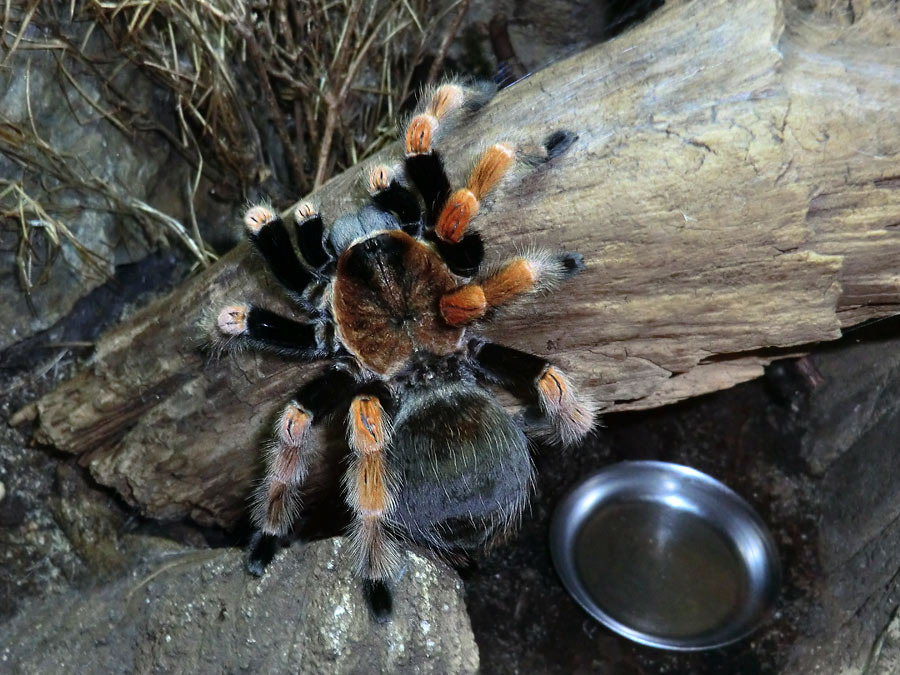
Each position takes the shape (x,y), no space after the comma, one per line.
(735,191)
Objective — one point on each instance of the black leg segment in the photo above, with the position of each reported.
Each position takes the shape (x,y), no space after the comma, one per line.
(311,239)
(379,598)
(508,367)
(273,331)
(330,391)
(464,257)
(427,173)
(274,243)
(558,142)
(397,199)
(262,549)
(265,329)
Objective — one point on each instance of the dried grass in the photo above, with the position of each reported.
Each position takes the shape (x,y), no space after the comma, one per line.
(327,76)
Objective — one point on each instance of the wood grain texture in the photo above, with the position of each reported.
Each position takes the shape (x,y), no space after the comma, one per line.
(735,191)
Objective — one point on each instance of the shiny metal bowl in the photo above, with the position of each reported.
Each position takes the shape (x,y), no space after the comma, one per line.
(665,555)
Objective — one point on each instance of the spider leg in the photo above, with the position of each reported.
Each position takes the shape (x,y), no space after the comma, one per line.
(426,172)
(371,493)
(423,163)
(464,257)
(311,239)
(263,328)
(528,273)
(463,204)
(388,194)
(570,415)
(270,237)
(287,463)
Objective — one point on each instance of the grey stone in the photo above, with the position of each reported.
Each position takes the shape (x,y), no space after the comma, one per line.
(861,381)
(885,656)
(200,612)
(851,443)
(70,158)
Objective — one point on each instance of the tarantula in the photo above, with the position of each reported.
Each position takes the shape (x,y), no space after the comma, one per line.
(390,291)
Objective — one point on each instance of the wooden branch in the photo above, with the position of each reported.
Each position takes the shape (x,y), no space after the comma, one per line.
(735,191)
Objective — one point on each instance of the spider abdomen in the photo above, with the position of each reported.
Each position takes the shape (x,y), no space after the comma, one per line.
(465,469)
(386,301)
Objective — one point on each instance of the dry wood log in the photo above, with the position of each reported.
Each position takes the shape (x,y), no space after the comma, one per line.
(735,191)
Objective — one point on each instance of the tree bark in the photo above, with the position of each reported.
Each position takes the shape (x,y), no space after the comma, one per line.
(735,191)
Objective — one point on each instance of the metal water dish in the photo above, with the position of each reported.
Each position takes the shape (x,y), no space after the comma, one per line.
(665,555)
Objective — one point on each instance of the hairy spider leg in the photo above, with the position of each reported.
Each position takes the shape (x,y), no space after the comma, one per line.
(423,163)
(311,239)
(463,258)
(388,194)
(264,329)
(463,204)
(570,415)
(370,487)
(276,501)
(425,170)
(528,273)
(287,463)
(270,237)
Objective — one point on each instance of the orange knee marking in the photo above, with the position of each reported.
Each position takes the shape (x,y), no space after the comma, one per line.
(492,166)
(421,129)
(284,458)
(419,133)
(553,387)
(456,214)
(463,305)
(366,425)
(446,99)
(305,211)
(516,278)
(370,485)
(232,320)
(257,217)
(464,203)
(379,179)
(293,424)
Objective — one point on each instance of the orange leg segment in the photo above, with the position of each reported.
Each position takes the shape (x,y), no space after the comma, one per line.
(368,487)
(464,305)
(422,128)
(464,203)
(276,497)
(367,425)
(470,302)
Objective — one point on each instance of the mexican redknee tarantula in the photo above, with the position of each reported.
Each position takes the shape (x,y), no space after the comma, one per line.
(390,291)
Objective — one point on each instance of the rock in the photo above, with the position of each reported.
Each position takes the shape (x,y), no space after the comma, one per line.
(853,422)
(854,400)
(200,612)
(36,557)
(91,521)
(87,173)
(884,658)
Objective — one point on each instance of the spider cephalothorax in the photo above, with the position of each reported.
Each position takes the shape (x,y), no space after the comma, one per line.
(391,291)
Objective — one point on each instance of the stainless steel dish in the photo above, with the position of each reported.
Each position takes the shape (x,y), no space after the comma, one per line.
(665,555)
